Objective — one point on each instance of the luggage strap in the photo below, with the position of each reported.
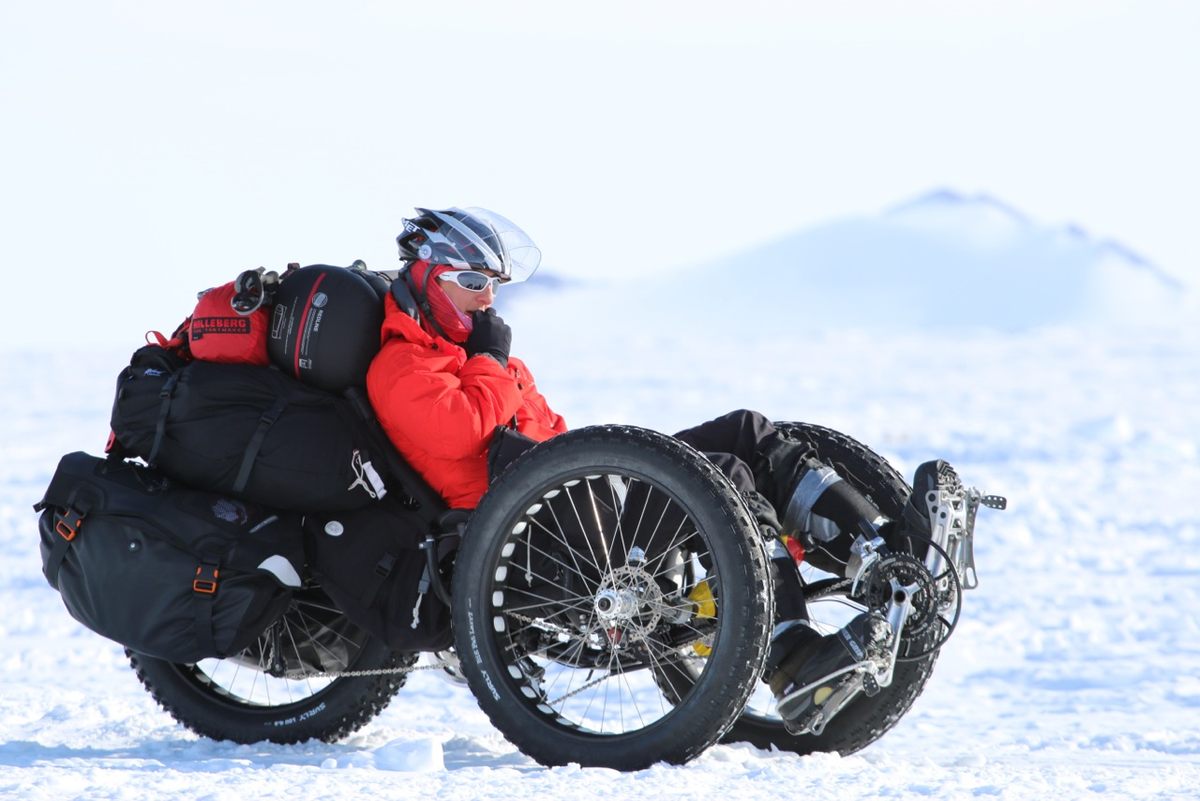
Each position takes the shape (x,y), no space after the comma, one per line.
(204,593)
(167,394)
(264,425)
(434,548)
(373,581)
(66,524)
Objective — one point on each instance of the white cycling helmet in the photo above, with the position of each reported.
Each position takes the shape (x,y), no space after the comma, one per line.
(469,239)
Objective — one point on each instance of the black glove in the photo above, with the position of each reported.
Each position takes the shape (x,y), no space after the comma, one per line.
(490,335)
(764,513)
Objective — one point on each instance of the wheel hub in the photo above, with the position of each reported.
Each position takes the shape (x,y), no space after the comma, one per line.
(628,604)
(616,605)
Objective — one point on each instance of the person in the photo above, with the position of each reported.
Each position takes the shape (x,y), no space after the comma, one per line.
(444,382)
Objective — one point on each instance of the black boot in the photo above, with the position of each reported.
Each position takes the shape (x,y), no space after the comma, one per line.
(801,660)
(936,488)
(934,482)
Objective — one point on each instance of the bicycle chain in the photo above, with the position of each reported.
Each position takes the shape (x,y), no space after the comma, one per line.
(593,682)
(349,674)
(534,622)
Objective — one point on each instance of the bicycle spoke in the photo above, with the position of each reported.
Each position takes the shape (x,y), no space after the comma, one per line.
(557,561)
(306,631)
(632,559)
(564,542)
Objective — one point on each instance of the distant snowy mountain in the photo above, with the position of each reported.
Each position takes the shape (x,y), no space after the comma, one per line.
(978,216)
(943,260)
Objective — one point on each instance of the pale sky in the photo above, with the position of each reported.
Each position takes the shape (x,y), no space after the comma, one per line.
(152,149)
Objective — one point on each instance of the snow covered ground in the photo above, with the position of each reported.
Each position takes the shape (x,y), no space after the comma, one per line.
(1075,674)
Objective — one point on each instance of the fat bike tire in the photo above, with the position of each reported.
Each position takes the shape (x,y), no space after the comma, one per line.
(867,718)
(596,562)
(244,700)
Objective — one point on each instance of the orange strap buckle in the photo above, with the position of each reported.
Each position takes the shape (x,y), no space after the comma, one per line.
(206,585)
(67,523)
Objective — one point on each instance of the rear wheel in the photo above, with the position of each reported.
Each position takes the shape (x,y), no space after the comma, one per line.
(600,561)
(279,689)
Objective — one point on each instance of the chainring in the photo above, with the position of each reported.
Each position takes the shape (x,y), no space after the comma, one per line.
(936,601)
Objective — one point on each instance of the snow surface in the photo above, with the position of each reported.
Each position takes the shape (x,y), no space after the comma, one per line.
(1075,673)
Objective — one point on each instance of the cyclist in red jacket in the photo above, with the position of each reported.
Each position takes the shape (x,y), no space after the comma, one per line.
(444,381)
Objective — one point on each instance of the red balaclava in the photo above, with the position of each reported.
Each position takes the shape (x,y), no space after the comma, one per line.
(456,325)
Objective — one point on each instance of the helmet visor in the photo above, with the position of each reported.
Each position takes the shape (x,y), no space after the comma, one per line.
(520,257)
(470,239)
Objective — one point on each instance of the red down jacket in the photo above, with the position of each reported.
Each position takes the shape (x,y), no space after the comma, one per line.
(440,408)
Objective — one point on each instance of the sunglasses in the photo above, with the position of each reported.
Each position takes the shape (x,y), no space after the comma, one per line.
(471,280)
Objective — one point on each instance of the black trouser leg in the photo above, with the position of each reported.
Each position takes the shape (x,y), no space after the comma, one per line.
(805,494)
(778,465)
(733,443)
(774,462)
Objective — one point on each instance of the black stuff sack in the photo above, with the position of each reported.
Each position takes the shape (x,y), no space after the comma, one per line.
(164,570)
(248,431)
(372,565)
(507,444)
(325,325)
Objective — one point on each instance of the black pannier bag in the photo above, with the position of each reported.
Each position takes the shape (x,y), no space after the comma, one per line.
(372,565)
(248,431)
(325,325)
(164,570)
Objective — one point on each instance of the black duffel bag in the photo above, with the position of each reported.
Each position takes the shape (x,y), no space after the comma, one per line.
(372,563)
(164,570)
(246,430)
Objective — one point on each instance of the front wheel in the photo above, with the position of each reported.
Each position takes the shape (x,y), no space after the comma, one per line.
(830,606)
(865,719)
(599,562)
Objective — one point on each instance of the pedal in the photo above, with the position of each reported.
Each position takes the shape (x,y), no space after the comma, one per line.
(994,501)
(808,712)
(952,522)
(959,537)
